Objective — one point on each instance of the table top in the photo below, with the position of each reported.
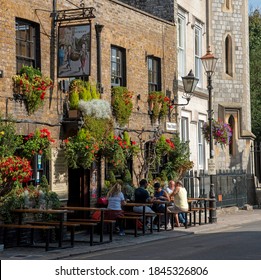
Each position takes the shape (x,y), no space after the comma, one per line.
(82,208)
(138,204)
(158,201)
(38,210)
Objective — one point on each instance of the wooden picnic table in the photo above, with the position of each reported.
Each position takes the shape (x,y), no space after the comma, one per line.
(138,204)
(90,209)
(59,212)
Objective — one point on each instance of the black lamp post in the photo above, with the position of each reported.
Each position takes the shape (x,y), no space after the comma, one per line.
(209,62)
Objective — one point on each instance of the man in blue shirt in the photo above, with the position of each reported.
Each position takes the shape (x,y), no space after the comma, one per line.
(142,196)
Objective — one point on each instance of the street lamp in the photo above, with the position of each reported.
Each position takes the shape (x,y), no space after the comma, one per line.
(209,62)
(189,83)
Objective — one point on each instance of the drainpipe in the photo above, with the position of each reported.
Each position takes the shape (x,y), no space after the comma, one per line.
(98,28)
(52,47)
(207,23)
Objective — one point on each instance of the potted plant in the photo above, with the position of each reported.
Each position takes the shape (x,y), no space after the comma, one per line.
(31,86)
(80,90)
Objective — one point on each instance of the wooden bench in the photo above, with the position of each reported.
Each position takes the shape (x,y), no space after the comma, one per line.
(87,222)
(32,228)
(56,224)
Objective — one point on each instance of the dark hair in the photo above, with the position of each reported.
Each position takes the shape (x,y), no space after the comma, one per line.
(157,185)
(143,182)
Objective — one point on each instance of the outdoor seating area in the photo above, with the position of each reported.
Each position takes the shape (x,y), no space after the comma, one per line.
(94,228)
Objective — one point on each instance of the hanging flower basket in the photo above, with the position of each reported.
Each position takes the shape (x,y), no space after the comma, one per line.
(158,105)
(221,132)
(31,87)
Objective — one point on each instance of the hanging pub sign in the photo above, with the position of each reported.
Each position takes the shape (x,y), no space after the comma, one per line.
(74,45)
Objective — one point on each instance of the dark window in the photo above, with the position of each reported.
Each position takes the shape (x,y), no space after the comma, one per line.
(118,66)
(231,122)
(154,76)
(228,48)
(27,44)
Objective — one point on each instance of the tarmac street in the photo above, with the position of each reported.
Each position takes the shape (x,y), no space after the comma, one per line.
(227,219)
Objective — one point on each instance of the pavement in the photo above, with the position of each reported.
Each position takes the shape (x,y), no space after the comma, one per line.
(227,218)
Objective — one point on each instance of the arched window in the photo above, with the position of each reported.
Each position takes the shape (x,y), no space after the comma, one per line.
(228,55)
(228,4)
(231,122)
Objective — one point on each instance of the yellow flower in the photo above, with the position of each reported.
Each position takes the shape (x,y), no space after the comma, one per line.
(2,133)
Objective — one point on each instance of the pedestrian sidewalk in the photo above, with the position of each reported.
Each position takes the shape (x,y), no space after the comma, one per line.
(226,218)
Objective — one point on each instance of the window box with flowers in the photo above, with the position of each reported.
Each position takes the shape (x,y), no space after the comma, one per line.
(158,105)
(221,132)
(121,101)
(31,86)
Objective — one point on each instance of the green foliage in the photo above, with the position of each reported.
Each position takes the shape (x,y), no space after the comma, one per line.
(10,142)
(30,72)
(111,177)
(28,197)
(74,100)
(178,162)
(81,150)
(37,143)
(33,86)
(121,104)
(158,105)
(98,128)
(81,90)
(255,70)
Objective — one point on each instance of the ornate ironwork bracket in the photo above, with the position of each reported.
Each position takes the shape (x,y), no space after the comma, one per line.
(81,13)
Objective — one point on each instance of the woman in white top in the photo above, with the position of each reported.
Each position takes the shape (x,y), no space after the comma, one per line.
(180,202)
(115,201)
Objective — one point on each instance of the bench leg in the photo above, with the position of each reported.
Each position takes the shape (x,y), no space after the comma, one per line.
(135,228)
(72,236)
(32,236)
(111,231)
(47,241)
(91,235)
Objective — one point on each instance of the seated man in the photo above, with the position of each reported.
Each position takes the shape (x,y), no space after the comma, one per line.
(141,195)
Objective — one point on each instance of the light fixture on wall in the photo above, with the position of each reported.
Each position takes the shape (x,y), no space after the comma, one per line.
(189,84)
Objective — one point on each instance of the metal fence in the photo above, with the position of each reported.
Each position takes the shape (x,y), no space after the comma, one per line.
(255,153)
(232,187)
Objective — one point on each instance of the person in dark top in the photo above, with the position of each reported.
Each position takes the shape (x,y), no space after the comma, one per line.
(142,196)
(159,195)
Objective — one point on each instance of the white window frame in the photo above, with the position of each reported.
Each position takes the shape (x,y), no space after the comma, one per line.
(198,52)
(201,146)
(181,44)
(184,129)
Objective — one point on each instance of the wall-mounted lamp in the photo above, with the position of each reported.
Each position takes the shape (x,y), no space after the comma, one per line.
(189,83)
(138,97)
(1,73)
